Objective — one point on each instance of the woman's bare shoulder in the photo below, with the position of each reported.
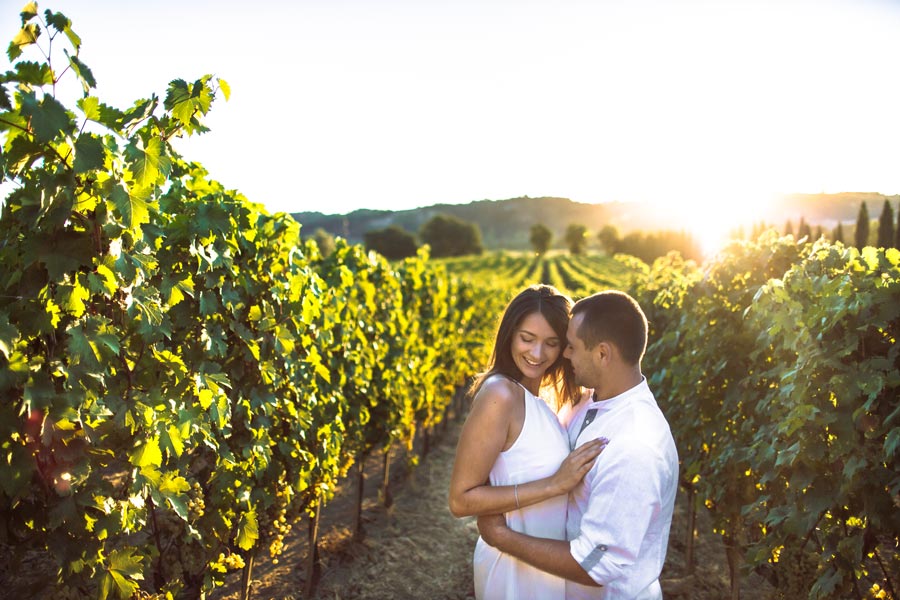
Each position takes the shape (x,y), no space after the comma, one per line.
(499,389)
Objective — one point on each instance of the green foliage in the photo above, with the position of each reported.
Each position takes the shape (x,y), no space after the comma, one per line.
(181,380)
(862,227)
(609,238)
(648,246)
(838,233)
(392,242)
(541,238)
(886,226)
(777,367)
(450,236)
(576,238)
(324,241)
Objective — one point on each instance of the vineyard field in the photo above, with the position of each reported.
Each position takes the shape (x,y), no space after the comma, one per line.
(184,378)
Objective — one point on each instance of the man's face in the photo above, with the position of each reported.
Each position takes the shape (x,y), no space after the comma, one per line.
(578,355)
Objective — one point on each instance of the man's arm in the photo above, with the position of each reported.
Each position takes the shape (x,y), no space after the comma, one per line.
(551,556)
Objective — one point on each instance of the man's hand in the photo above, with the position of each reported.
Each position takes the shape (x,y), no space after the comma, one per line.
(492,528)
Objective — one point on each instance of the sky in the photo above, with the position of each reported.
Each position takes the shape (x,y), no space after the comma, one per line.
(391,104)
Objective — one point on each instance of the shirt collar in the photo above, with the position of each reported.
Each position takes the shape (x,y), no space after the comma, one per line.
(622,398)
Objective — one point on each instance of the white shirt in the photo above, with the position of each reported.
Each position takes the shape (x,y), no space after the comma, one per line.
(620,514)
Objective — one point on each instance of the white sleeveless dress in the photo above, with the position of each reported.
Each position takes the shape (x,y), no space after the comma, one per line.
(538,451)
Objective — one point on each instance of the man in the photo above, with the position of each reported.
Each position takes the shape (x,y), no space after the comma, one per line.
(619,516)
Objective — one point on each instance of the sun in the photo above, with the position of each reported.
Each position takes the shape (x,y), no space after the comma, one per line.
(712,222)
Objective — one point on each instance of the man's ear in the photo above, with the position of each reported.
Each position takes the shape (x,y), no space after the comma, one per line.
(601,353)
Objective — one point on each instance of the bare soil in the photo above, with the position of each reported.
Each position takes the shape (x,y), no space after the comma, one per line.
(417,550)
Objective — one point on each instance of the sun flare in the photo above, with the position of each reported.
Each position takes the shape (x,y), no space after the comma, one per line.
(711,221)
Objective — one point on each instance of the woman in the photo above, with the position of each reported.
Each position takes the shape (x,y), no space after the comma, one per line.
(513,440)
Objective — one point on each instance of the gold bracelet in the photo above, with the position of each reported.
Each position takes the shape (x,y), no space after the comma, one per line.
(516,493)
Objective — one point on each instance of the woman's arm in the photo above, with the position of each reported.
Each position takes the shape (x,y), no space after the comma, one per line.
(483,437)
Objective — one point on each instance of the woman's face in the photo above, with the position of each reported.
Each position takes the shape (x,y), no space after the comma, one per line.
(535,346)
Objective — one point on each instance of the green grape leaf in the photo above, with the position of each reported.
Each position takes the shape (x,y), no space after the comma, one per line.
(148,162)
(248,530)
(104,280)
(58,21)
(81,347)
(29,11)
(205,397)
(48,117)
(27,35)
(90,106)
(132,208)
(89,153)
(892,442)
(141,110)
(84,74)
(35,73)
(172,483)
(8,335)
(226,89)
(147,454)
(122,571)
(174,439)
(72,298)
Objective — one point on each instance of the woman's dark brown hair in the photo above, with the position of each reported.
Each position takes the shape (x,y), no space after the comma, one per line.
(555,307)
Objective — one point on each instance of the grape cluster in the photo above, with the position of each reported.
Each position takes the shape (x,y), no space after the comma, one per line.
(279,526)
(227,562)
(196,506)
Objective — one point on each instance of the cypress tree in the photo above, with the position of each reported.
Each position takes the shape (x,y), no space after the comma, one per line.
(838,235)
(820,233)
(862,227)
(886,226)
(897,230)
(788,228)
(804,230)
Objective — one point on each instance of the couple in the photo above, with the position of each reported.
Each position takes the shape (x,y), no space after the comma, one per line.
(586,491)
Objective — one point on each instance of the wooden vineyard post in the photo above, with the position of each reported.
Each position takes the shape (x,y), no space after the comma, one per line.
(360,488)
(734,553)
(247,577)
(313,558)
(385,484)
(692,526)
(426,442)
(887,578)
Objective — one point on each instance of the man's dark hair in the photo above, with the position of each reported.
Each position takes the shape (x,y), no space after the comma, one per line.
(613,317)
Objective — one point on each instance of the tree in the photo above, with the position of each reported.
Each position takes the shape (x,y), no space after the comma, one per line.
(862,227)
(392,242)
(609,238)
(897,230)
(450,236)
(789,228)
(886,226)
(541,236)
(576,238)
(838,235)
(804,230)
(324,240)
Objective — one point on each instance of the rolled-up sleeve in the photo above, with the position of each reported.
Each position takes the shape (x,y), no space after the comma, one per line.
(625,495)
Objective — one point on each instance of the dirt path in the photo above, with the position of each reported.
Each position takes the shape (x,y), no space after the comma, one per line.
(416,549)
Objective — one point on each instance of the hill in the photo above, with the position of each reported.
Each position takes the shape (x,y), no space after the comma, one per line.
(506,223)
